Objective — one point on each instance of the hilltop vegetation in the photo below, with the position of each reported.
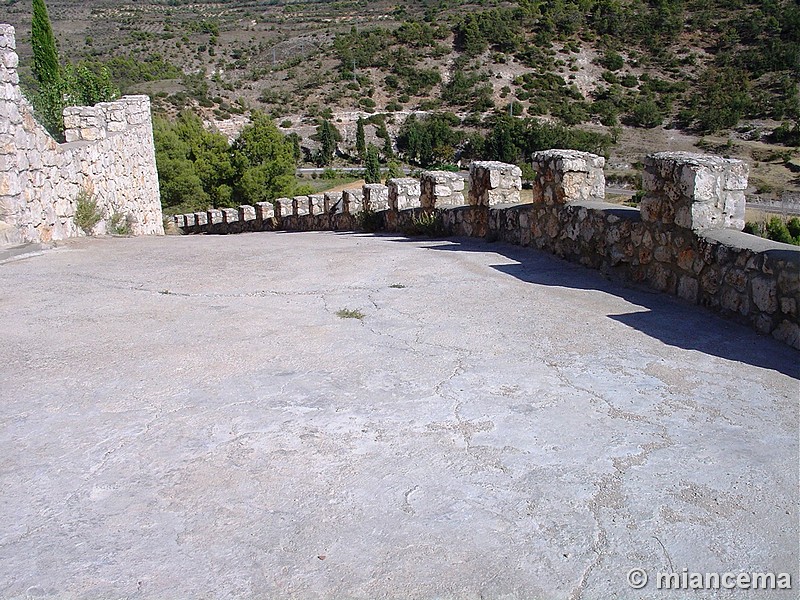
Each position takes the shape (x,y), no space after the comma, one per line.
(702,64)
(451,80)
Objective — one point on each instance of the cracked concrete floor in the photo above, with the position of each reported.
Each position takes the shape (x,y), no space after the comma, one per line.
(187,417)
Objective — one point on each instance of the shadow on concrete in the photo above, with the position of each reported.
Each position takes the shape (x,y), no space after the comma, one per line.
(668,319)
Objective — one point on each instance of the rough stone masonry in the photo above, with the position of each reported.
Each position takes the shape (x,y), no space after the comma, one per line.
(109,155)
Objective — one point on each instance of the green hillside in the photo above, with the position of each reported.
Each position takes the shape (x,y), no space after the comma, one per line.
(486,79)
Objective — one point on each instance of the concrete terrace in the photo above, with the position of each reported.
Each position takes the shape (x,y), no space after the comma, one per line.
(187,417)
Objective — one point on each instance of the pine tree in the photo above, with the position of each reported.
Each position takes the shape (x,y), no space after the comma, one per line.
(45,54)
(361,144)
(372,164)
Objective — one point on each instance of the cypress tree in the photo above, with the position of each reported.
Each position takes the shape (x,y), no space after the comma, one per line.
(388,152)
(361,144)
(45,54)
(372,164)
(327,135)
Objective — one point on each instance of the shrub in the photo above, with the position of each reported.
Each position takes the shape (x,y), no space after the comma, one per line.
(612,61)
(370,221)
(119,224)
(776,230)
(646,114)
(779,232)
(428,223)
(87,213)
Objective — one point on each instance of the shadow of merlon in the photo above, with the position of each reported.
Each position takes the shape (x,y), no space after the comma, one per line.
(669,319)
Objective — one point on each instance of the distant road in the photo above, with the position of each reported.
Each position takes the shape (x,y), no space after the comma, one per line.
(617,191)
(317,171)
(778,208)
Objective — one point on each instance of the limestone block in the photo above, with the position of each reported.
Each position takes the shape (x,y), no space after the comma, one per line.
(702,192)
(201,218)
(84,123)
(190,220)
(439,188)
(9,184)
(376,197)
(765,294)
(334,203)
(180,221)
(316,204)
(7,37)
(9,61)
(353,201)
(300,205)
(493,183)
(265,211)
(564,176)
(404,193)
(230,215)
(137,109)
(285,207)
(11,162)
(247,213)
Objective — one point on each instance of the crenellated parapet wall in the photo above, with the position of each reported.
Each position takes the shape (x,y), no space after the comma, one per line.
(109,154)
(684,241)
(92,123)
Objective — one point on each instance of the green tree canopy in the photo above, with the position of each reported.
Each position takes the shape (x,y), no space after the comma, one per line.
(328,136)
(180,185)
(431,139)
(265,161)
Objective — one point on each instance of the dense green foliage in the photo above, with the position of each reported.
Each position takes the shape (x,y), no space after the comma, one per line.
(372,165)
(198,169)
(59,87)
(43,43)
(76,85)
(328,137)
(437,139)
(430,140)
(264,161)
(775,229)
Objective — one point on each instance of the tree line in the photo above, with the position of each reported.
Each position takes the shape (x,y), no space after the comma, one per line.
(198,168)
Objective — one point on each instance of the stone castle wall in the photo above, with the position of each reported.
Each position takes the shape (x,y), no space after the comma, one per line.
(685,240)
(109,153)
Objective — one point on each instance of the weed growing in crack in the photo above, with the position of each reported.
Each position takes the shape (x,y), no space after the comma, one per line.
(346,313)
